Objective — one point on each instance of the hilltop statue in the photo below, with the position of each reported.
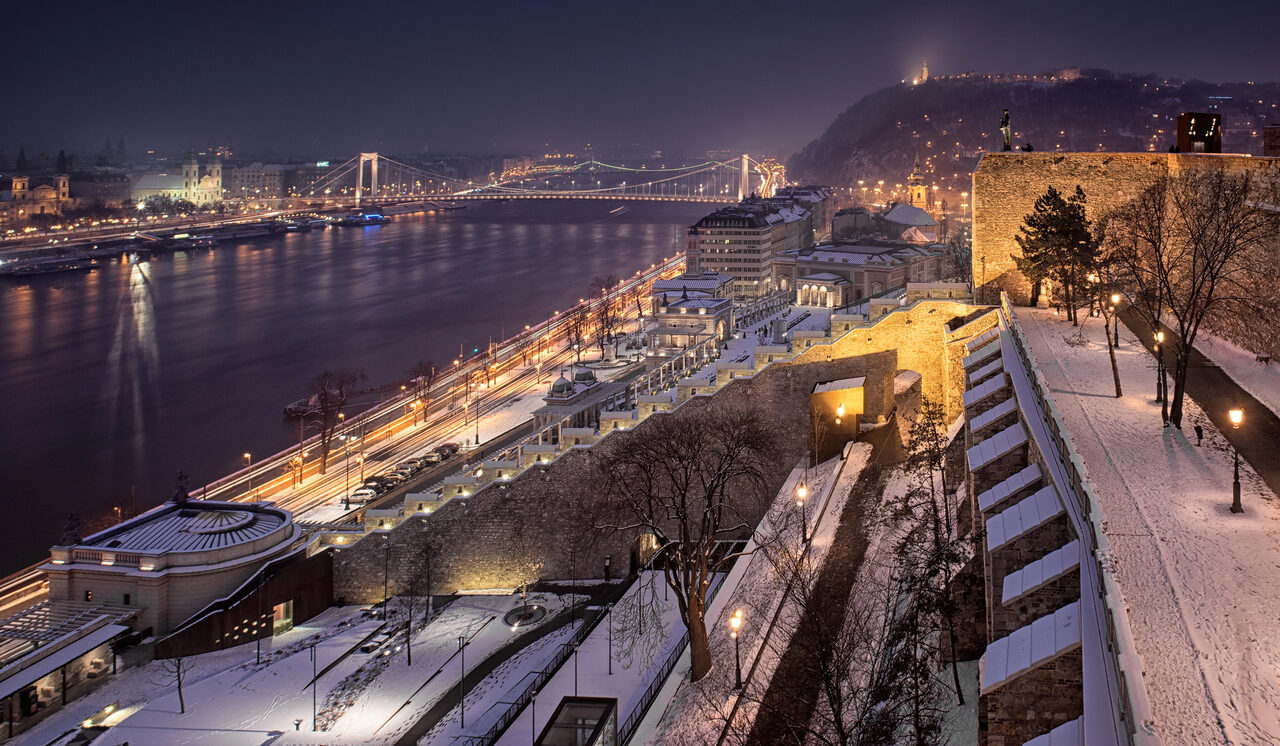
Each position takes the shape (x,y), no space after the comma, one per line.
(1006,131)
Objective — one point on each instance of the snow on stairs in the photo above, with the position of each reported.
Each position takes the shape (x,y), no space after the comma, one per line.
(1030,647)
(1041,572)
(1070,733)
(1014,488)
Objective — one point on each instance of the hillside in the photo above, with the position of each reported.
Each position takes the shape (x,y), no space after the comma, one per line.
(951,120)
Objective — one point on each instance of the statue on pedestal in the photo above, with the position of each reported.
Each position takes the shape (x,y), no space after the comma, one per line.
(1006,131)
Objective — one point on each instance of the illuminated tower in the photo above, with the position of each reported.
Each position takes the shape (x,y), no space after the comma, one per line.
(924,71)
(918,194)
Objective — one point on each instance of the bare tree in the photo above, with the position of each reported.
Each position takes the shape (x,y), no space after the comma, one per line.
(1199,237)
(331,392)
(691,481)
(575,329)
(416,580)
(927,449)
(608,315)
(176,670)
(423,375)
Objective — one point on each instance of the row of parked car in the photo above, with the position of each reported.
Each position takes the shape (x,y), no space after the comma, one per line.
(374,486)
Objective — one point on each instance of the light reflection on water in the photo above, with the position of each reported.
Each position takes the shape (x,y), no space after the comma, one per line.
(116,379)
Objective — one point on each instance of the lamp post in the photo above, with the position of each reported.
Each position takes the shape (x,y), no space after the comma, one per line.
(1115,304)
(735,622)
(609,611)
(1237,416)
(462,701)
(248,464)
(802,491)
(346,481)
(386,571)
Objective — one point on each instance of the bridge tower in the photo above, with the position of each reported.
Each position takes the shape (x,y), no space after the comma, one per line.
(744,177)
(372,160)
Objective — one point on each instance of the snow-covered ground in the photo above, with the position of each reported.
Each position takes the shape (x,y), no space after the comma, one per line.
(393,701)
(697,712)
(1261,380)
(216,690)
(1199,581)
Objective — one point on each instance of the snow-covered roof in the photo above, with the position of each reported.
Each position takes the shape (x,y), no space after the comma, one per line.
(1025,515)
(1040,573)
(1010,486)
(1033,645)
(986,371)
(823,277)
(997,445)
(991,415)
(907,215)
(25,671)
(191,527)
(982,354)
(982,338)
(1070,733)
(984,389)
(160,181)
(840,385)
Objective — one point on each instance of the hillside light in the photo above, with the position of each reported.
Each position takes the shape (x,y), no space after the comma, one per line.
(1237,416)
(735,623)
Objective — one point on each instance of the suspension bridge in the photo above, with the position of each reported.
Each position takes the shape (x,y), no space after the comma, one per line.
(374,179)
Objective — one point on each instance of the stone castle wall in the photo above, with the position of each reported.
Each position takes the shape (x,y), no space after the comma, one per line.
(1006,186)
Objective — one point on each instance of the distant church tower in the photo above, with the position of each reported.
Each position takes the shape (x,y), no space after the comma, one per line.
(918,193)
(190,177)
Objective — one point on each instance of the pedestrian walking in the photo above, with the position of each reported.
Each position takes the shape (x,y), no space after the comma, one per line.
(1199,434)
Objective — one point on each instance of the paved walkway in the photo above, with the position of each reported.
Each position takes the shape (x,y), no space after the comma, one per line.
(1257,440)
(1198,580)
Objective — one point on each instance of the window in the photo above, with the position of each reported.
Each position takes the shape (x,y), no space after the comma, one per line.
(126,599)
(88,595)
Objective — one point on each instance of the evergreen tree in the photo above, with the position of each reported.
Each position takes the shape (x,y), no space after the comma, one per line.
(1058,245)
(22,159)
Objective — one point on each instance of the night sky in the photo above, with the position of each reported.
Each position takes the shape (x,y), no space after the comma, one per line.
(312,78)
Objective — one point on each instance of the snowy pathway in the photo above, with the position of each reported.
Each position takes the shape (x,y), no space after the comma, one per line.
(1200,582)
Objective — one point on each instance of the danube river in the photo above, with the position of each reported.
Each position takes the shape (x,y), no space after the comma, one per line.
(112,381)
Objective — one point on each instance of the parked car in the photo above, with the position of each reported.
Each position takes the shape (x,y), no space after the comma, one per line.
(376,484)
(392,478)
(428,458)
(363,494)
(447,450)
(411,466)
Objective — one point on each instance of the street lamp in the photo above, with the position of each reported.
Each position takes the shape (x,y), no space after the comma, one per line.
(735,623)
(1115,303)
(802,492)
(248,464)
(1237,416)
(462,657)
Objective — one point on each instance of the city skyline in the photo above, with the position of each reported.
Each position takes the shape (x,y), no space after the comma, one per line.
(298,79)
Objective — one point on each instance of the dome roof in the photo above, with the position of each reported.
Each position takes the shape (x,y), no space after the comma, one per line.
(585,376)
(562,387)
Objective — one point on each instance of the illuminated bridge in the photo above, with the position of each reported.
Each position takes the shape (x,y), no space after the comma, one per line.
(370,178)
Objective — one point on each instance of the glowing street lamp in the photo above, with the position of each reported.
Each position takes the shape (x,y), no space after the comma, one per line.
(248,464)
(735,623)
(1115,303)
(1237,416)
(802,491)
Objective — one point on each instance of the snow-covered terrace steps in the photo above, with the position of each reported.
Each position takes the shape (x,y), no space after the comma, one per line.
(983,339)
(1070,733)
(993,497)
(1030,647)
(986,419)
(980,356)
(1115,697)
(1026,515)
(996,446)
(986,371)
(991,387)
(1040,573)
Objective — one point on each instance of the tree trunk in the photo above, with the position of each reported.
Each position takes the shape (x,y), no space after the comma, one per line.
(1179,388)
(182,705)
(1111,349)
(699,645)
